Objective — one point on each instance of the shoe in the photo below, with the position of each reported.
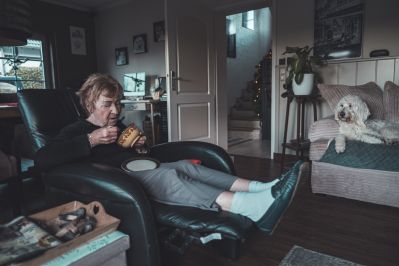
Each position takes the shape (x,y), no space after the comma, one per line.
(286,174)
(276,189)
(284,194)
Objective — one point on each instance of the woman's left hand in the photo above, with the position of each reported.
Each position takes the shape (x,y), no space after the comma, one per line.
(140,142)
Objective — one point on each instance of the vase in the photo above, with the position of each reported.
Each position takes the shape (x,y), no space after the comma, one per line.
(305,87)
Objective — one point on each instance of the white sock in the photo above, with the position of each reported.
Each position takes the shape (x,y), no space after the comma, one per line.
(252,205)
(256,186)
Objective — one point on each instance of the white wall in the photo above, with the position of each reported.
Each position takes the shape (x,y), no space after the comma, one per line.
(295,25)
(115,28)
(251,46)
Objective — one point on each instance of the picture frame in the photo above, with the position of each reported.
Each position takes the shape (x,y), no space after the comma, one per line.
(121,56)
(231,46)
(78,40)
(338,28)
(140,43)
(159,31)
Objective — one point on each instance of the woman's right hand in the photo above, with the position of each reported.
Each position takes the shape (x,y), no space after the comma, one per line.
(104,135)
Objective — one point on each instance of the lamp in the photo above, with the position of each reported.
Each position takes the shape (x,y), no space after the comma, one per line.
(15,22)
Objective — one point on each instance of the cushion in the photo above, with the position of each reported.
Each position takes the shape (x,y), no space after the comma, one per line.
(391,102)
(317,149)
(369,92)
(326,128)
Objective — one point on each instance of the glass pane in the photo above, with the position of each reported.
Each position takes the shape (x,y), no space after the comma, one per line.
(29,84)
(22,66)
(251,15)
(251,24)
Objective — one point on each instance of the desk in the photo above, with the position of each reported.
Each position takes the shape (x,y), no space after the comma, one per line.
(299,144)
(142,105)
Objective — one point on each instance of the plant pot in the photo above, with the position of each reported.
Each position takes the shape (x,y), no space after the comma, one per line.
(306,86)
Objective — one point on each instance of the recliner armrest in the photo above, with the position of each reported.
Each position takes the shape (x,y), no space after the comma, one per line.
(211,155)
(122,197)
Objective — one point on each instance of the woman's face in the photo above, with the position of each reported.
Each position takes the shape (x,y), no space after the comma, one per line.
(106,111)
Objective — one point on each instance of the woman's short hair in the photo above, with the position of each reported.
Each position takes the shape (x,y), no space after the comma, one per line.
(95,85)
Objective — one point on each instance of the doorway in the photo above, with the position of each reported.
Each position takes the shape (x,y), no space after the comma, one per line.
(248,82)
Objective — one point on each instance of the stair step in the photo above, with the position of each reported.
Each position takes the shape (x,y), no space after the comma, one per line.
(244,105)
(244,123)
(246,133)
(240,114)
(246,95)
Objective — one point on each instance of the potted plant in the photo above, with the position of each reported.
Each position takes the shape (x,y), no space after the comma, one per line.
(300,69)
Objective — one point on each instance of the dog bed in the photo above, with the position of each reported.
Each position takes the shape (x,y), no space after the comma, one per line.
(363,155)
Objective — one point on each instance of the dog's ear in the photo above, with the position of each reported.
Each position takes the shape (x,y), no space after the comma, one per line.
(363,112)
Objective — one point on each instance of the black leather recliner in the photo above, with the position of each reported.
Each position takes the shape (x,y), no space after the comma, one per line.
(150,225)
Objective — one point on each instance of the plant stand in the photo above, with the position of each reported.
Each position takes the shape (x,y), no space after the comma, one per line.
(300,144)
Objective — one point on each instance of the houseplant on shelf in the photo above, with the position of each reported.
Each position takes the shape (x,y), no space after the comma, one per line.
(300,69)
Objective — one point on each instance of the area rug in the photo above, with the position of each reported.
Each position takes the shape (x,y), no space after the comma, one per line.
(299,256)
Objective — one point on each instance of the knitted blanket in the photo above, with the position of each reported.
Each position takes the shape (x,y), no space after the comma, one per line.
(363,155)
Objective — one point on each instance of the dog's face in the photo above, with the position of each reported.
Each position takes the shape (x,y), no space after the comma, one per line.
(351,109)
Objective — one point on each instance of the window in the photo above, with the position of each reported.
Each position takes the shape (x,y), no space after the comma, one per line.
(22,67)
(248,20)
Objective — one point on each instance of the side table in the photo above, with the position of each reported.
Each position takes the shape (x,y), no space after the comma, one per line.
(300,144)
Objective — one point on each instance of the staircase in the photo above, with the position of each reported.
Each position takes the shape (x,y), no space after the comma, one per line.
(244,124)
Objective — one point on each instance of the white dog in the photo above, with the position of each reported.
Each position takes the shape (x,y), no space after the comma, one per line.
(352,115)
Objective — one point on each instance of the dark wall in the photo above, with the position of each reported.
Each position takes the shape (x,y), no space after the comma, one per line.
(53,22)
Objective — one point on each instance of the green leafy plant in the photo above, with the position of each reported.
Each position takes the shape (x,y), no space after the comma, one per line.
(301,63)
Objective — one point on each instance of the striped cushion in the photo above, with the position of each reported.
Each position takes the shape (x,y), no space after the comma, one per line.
(326,128)
(391,102)
(369,92)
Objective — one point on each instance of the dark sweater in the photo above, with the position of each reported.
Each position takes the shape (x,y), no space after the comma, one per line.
(72,145)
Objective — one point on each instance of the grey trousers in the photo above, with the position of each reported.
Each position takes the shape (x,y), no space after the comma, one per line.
(186,184)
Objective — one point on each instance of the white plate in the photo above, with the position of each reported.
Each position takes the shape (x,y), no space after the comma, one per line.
(139,164)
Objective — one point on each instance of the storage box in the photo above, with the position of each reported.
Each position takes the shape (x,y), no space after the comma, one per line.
(105,224)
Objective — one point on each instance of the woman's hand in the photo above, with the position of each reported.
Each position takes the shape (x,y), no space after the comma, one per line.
(140,142)
(104,135)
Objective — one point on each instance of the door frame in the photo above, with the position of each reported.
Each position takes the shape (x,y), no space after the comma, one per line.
(221,67)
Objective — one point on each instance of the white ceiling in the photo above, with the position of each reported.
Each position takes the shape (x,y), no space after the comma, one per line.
(96,5)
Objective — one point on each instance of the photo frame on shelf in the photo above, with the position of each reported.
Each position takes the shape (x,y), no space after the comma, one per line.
(140,44)
(78,40)
(121,56)
(159,31)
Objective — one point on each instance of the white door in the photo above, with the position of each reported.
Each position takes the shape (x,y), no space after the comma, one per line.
(190,72)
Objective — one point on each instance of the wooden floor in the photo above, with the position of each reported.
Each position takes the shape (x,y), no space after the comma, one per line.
(360,232)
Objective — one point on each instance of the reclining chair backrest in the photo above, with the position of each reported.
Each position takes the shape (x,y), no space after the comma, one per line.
(46,112)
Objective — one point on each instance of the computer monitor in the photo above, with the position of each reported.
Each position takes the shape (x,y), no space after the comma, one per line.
(134,84)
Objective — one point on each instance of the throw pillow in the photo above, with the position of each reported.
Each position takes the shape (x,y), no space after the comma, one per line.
(391,102)
(369,92)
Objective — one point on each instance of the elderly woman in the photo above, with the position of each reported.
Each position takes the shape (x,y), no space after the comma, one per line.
(179,183)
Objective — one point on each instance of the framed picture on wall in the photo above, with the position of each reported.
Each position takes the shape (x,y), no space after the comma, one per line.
(338,28)
(121,56)
(231,46)
(159,31)
(78,40)
(140,43)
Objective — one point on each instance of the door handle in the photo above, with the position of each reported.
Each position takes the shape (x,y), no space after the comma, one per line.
(172,79)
